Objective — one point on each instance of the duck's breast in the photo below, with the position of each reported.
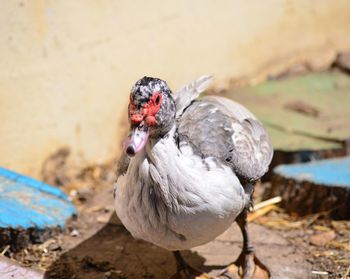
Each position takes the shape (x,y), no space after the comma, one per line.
(177,200)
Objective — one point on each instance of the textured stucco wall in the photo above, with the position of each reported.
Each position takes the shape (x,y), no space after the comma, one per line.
(66,66)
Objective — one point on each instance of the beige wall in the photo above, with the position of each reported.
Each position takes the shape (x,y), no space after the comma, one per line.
(67,66)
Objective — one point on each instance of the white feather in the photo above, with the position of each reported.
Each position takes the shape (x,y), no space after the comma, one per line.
(190,92)
(230,108)
(193,205)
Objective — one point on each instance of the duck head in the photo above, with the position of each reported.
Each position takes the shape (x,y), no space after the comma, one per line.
(151,113)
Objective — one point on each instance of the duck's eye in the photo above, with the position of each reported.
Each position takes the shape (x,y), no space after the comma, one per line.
(157,100)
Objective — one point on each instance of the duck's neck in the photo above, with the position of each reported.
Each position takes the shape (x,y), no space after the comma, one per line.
(160,157)
(163,147)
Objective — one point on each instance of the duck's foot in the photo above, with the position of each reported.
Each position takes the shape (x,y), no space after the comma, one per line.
(250,266)
(185,271)
(247,266)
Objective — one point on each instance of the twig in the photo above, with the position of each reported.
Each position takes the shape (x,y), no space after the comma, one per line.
(263,208)
(265,203)
(317,272)
(346,273)
(314,217)
(7,247)
(262,211)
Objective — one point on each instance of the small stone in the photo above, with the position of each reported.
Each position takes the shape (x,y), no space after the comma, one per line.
(321,239)
(109,274)
(74,233)
(103,219)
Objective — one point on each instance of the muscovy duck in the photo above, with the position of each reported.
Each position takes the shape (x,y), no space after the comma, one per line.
(189,168)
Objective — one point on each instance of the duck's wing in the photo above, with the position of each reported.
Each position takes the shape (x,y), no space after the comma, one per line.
(220,128)
(190,92)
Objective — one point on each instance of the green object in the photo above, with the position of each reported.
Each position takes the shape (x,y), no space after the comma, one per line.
(310,112)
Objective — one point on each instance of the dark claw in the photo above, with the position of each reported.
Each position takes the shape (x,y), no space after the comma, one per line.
(247,264)
(184,270)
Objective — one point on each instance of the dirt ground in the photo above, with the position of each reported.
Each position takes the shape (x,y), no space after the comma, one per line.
(96,245)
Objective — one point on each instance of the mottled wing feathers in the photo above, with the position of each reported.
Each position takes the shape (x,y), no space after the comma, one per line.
(220,128)
(190,92)
(207,135)
(252,152)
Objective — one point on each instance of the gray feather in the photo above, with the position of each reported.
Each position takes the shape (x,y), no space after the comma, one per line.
(190,92)
(234,137)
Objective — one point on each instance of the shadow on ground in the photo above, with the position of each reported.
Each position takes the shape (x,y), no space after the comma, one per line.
(107,250)
(113,253)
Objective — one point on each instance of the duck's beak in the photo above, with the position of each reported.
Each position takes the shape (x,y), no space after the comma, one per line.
(137,139)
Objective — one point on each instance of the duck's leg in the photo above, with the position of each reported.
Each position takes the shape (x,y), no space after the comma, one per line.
(247,260)
(183,269)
